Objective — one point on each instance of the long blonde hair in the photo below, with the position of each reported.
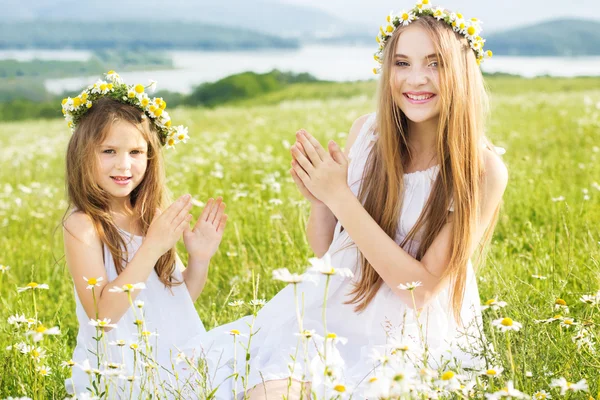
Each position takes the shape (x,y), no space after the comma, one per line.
(463,109)
(85,195)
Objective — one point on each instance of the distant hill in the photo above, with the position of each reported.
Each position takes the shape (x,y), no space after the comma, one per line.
(563,37)
(93,35)
(282,20)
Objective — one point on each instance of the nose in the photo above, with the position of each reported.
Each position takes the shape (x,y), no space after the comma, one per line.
(123,162)
(417,76)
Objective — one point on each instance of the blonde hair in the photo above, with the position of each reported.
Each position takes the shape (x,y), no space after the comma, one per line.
(85,195)
(463,109)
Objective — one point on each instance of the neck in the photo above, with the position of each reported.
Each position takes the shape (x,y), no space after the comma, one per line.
(422,138)
(121,206)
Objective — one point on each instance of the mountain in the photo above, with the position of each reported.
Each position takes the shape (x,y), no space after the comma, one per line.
(562,37)
(270,17)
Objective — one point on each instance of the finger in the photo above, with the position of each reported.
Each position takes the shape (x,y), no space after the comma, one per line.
(220,212)
(300,147)
(303,161)
(309,149)
(185,222)
(336,153)
(182,214)
(320,150)
(304,177)
(206,211)
(214,210)
(222,223)
(175,208)
(157,213)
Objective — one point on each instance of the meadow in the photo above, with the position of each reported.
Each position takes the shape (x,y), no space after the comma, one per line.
(545,254)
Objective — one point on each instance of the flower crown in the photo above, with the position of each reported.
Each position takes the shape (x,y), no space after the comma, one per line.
(468,28)
(75,108)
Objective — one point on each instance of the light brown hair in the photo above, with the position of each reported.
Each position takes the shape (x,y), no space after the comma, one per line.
(463,110)
(85,195)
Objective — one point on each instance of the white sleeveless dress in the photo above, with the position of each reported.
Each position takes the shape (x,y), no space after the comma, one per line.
(272,346)
(169,313)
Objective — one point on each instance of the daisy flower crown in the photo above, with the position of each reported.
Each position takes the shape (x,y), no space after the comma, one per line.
(135,95)
(469,28)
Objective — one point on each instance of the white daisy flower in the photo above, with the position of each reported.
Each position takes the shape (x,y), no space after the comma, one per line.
(236,303)
(492,372)
(410,285)
(18,320)
(93,282)
(114,77)
(507,324)
(118,342)
(4,268)
(439,13)
(559,198)
(557,317)
(139,304)
(540,277)
(284,275)
(44,370)
(128,288)
(41,331)
(323,266)
(102,323)
(181,134)
(33,286)
(235,332)
(275,202)
(406,17)
(566,386)
(86,367)
(568,322)
(493,304)
(307,333)
(591,299)
(541,395)
(508,391)
(257,302)
(181,357)
(68,364)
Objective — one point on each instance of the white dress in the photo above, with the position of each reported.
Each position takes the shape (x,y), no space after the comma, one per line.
(169,313)
(272,346)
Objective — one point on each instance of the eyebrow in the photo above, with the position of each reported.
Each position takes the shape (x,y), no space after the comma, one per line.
(405,56)
(110,146)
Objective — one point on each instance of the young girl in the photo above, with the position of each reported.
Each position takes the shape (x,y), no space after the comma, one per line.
(119,235)
(404,208)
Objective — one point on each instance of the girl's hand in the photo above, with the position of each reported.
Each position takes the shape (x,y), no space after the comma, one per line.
(166,227)
(303,190)
(323,173)
(203,240)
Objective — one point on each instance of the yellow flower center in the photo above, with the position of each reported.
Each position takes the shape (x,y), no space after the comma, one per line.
(491,372)
(490,302)
(234,332)
(89,105)
(146,333)
(133,346)
(405,17)
(84,96)
(64,101)
(139,88)
(389,28)
(425,1)
(181,137)
(568,322)
(41,329)
(32,285)
(462,25)
(489,53)
(171,141)
(103,87)
(158,112)
(168,123)
(145,102)
(540,395)
(557,316)
(437,13)
(388,19)
(138,322)
(507,322)
(110,86)
(131,95)
(560,302)
(446,376)
(35,353)
(128,286)
(398,377)
(111,72)
(471,30)
(163,105)
(373,379)
(331,335)
(92,281)
(459,15)
(339,388)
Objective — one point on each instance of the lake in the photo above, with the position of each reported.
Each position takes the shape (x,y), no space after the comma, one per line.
(337,63)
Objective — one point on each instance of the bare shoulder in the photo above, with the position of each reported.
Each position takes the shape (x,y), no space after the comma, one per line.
(80,226)
(495,175)
(354,131)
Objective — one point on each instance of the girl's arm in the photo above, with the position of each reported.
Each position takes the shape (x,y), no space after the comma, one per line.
(84,256)
(321,222)
(326,180)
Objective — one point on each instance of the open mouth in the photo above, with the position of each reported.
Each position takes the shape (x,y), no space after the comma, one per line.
(419,98)
(121,180)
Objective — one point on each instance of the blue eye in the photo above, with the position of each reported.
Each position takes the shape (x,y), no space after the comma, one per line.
(401,63)
(434,64)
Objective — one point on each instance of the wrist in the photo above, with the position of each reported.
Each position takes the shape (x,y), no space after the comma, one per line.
(198,259)
(339,197)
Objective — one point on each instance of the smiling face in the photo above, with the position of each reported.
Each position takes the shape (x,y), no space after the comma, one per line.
(414,76)
(122,160)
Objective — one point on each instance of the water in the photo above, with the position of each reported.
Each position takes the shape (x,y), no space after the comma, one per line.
(337,63)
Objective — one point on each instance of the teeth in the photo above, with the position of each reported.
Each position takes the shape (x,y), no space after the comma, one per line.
(425,97)
(120,179)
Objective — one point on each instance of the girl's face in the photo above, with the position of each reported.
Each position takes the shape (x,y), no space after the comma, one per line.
(123,157)
(415,75)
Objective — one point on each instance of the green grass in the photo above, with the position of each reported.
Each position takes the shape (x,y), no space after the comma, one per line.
(549,127)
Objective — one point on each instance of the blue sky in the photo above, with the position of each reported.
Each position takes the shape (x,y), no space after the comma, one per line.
(496,14)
